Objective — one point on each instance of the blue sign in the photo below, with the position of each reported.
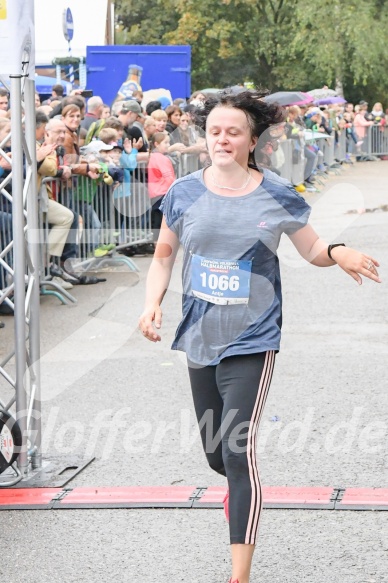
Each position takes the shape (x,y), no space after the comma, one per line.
(68,24)
(221,281)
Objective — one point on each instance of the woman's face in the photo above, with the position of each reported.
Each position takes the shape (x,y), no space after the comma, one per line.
(105,113)
(72,120)
(161,124)
(163,146)
(184,121)
(150,128)
(377,107)
(228,137)
(176,117)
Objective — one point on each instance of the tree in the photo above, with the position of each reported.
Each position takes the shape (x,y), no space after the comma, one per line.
(145,21)
(344,40)
(234,40)
(278,44)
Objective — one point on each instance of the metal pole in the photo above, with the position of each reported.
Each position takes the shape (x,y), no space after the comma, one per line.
(82,74)
(19,265)
(71,69)
(58,73)
(34,251)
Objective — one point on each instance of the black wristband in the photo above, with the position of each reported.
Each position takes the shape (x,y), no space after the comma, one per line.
(330,247)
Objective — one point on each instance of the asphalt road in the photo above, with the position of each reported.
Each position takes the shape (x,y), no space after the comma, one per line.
(109,393)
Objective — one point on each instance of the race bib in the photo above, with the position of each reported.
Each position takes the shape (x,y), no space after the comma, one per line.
(221,281)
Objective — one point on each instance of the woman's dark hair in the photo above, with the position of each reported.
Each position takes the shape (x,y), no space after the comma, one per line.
(70,100)
(171,109)
(72,107)
(153,106)
(260,115)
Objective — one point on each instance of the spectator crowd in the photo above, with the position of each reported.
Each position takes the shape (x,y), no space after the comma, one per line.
(81,143)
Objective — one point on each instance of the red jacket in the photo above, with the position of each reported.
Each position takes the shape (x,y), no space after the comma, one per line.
(160,174)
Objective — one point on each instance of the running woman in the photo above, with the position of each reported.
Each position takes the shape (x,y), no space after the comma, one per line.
(229,218)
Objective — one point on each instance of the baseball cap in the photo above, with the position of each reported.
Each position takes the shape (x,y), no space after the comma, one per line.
(131,105)
(313,112)
(95,146)
(164,101)
(116,145)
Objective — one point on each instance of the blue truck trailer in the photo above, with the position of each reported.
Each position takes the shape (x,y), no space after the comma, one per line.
(162,66)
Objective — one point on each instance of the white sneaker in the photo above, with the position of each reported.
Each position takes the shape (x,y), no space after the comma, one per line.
(62,283)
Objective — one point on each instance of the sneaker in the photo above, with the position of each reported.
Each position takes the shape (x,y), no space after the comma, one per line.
(58,272)
(64,284)
(55,270)
(100,252)
(145,249)
(226,505)
(103,250)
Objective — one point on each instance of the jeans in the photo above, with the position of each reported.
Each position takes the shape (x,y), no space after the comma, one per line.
(92,228)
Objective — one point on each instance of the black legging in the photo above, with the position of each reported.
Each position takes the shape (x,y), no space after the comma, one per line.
(229,400)
(156,218)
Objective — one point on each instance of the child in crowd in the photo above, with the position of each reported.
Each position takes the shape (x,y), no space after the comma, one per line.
(160,177)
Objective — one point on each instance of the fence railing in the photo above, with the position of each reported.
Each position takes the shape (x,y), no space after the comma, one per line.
(119,215)
(376,142)
(108,220)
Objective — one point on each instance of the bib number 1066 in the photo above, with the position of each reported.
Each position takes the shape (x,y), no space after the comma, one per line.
(220,282)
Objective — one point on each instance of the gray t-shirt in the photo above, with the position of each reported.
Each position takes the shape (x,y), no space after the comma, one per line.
(216,227)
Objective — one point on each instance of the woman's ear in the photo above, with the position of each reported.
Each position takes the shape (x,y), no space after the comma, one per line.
(253,145)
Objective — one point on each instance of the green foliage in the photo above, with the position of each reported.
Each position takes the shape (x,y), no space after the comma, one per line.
(145,22)
(278,44)
(63,61)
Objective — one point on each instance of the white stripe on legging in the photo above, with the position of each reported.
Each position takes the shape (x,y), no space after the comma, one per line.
(256,498)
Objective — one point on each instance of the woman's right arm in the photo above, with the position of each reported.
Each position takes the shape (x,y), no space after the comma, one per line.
(158,279)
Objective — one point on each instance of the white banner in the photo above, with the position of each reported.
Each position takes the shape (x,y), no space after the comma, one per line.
(17,37)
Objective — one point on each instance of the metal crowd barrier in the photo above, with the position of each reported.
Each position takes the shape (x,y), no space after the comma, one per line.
(109,219)
(341,147)
(115,216)
(119,215)
(286,168)
(327,147)
(293,157)
(376,141)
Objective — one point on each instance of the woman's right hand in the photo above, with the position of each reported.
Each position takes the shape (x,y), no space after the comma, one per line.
(150,319)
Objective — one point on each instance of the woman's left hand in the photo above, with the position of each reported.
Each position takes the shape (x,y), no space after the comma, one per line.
(356,263)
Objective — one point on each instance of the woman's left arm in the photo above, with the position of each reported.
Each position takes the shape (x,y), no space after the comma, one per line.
(315,251)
